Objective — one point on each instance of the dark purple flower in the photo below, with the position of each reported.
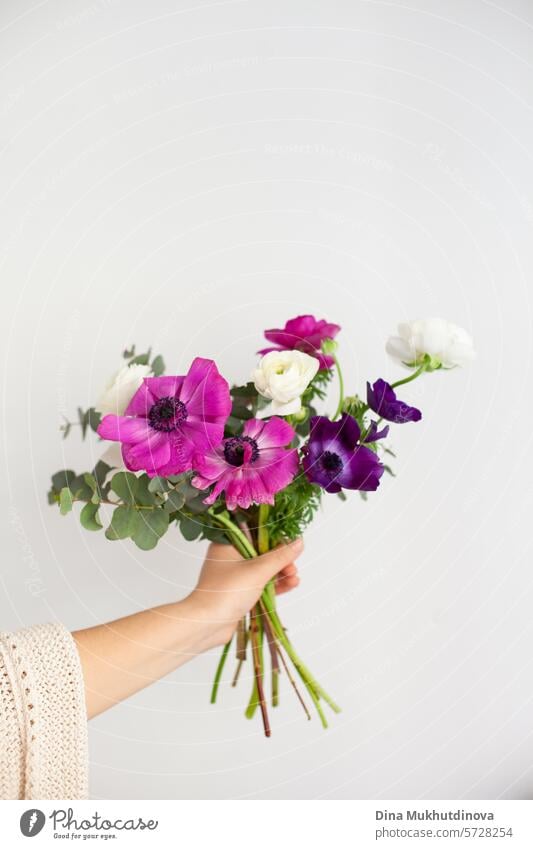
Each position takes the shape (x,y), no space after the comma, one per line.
(373,434)
(381,398)
(303,333)
(335,459)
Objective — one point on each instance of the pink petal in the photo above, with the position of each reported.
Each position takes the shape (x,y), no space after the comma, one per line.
(277,468)
(205,435)
(205,392)
(151,453)
(142,401)
(166,386)
(181,455)
(275,432)
(122,429)
(210,466)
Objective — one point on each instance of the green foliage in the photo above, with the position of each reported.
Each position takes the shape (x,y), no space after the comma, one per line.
(318,388)
(65,501)
(294,509)
(86,419)
(125,484)
(144,507)
(89,517)
(124,523)
(246,402)
(158,366)
(150,527)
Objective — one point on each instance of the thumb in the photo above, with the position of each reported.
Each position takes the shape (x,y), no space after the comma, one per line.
(274,561)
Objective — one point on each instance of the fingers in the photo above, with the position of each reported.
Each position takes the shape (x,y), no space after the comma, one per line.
(287,579)
(279,558)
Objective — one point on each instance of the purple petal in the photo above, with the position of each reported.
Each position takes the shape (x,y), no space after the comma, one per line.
(381,398)
(362,472)
(373,434)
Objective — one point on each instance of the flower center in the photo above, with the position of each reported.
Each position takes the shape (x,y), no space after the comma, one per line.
(234,450)
(167,414)
(331,463)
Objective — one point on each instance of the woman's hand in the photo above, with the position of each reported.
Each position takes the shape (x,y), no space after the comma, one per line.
(229,585)
(121,657)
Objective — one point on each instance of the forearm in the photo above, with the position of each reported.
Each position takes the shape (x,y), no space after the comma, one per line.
(121,657)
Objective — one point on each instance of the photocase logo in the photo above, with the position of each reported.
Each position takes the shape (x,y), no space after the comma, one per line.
(32,822)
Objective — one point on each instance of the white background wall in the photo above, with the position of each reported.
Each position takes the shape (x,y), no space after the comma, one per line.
(187,174)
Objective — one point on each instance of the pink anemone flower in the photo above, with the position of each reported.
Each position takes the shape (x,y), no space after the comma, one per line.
(250,468)
(303,333)
(170,419)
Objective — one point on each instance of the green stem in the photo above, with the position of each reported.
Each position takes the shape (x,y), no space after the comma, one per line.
(312,685)
(411,377)
(267,599)
(341,387)
(245,546)
(263,541)
(218,673)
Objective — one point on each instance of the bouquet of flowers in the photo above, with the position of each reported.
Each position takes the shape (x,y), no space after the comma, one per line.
(248,464)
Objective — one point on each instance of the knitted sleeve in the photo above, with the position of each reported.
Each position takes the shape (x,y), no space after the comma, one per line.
(43,720)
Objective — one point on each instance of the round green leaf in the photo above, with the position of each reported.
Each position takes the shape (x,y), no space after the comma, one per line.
(124,484)
(124,522)
(150,528)
(89,517)
(175,501)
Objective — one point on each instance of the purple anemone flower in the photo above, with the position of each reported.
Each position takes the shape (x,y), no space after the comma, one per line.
(250,468)
(169,419)
(381,398)
(335,459)
(303,333)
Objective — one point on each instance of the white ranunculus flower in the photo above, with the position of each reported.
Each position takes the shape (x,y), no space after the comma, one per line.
(447,344)
(121,389)
(282,377)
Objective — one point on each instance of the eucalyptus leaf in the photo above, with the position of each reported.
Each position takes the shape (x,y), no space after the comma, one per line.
(143,495)
(93,418)
(190,528)
(80,489)
(84,421)
(124,523)
(65,501)
(158,484)
(151,526)
(100,472)
(89,517)
(124,484)
(90,480)
(62,478)
(175,501)
(141,359)
(158,365)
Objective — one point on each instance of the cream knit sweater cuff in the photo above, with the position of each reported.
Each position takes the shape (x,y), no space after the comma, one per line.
(43,720)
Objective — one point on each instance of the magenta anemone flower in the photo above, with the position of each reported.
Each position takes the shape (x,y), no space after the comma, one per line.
(335,459)
(250,468)
(303,333)
(169,419)
(381,398)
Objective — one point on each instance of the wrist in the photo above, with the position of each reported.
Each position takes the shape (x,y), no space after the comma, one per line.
(208,628)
